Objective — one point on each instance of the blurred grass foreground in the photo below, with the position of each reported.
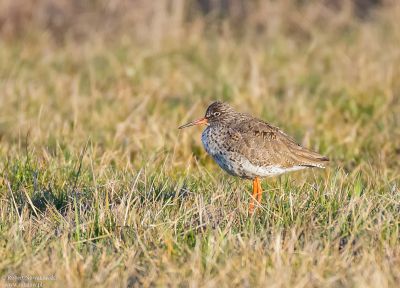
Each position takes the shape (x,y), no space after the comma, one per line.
(98,188)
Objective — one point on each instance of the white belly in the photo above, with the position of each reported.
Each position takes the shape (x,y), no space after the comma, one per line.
(267,171)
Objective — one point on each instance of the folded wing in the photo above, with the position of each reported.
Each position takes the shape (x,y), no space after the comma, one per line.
(265,145)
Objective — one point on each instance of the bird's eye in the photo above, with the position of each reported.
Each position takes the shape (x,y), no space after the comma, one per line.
(216,114)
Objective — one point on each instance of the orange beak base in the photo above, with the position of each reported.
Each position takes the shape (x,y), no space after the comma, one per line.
(195,122)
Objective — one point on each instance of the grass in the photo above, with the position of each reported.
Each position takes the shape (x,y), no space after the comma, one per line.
(98,188)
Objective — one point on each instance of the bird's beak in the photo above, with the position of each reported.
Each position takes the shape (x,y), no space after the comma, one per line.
(195,122)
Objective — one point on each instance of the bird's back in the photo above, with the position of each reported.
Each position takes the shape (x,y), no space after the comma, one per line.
(265,145)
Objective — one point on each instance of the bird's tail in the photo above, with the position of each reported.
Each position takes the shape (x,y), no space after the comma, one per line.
(308,158)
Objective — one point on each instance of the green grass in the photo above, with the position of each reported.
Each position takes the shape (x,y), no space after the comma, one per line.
(99,188)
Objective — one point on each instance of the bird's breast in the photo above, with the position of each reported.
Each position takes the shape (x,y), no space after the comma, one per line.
(214,142)
(211,141)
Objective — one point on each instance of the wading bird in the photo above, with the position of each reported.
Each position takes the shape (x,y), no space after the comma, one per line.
(250,148)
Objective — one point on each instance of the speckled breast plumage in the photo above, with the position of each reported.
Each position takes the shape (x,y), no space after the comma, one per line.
(213,139)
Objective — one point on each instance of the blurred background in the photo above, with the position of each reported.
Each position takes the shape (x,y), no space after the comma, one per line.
(156,21)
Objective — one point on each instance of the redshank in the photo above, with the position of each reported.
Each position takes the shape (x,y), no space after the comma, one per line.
(250,148)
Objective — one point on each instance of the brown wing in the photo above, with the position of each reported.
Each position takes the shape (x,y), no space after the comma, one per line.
(263,144)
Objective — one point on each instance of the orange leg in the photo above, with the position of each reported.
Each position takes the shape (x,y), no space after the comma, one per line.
(259,190)
(257,194)
(254,196)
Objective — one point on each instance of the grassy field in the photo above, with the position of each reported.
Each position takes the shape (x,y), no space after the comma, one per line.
(99,188)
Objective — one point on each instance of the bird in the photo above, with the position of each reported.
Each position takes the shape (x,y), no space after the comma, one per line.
(250,148)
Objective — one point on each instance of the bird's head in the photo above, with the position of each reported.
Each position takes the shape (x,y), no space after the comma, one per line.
(217,113)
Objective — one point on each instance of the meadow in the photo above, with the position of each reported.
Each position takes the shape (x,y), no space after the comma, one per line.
(98,187)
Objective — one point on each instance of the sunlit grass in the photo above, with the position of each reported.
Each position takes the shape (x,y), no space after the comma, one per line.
(98,186)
